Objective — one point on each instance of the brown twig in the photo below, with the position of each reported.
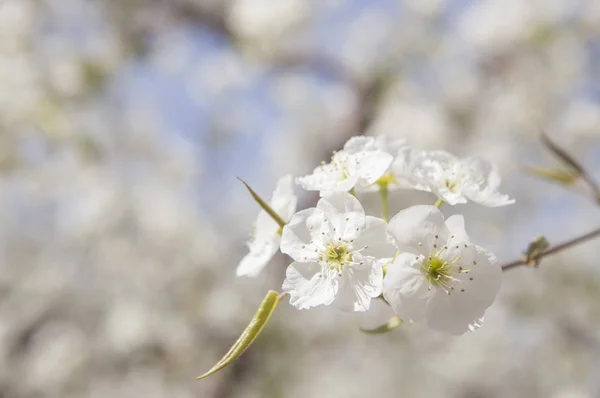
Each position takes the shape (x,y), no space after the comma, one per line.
(555,249)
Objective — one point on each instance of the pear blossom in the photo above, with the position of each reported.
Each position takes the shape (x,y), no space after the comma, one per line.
(338,255)
(392,146)
(266,237)
(456,180)
(400,174)
(358,164)
(440,277)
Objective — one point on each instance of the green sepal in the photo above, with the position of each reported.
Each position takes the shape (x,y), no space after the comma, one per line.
(390,325)
(265,206)
(252,331)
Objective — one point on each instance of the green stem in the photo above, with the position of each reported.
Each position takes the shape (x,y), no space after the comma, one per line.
(384,203)
(439,203)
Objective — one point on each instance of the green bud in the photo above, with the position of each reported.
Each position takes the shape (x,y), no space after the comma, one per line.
(536,247)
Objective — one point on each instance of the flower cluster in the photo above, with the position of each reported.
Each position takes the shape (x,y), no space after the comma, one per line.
(425,267)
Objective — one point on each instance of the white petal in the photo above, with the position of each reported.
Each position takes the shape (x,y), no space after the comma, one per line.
(443,315)
(462,253)
(284,200)
(358,285)
(481,172)
(456,226)
(307,286)
(481,185)
(360,143)
(451,197)
(458,312)
(476,324)
(490,199)
(371,165)
(415,229)
(345,215)
(403,170)
(389,144)
(265,227)
(296,237)
(430,165)
(327,178)
(258,257)
(487,279)
(405,287)
(435,169)
(375,239)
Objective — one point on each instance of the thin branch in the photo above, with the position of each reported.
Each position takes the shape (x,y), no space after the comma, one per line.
(555,249)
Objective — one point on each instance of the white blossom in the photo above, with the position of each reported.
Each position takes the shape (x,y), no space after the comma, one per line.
(394,176)
(266,238)
(359,164)
(456,180)
(338,255)
(440,276)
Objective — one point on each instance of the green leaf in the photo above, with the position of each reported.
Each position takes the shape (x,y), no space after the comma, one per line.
(265,206)
(253,329)
(390,325)
(565,177)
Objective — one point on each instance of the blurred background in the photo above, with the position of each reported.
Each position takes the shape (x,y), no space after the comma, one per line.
(123,124)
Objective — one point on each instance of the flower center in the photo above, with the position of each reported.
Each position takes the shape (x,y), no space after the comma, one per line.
(336,255)
(451,184)
(440,273)
(453,177)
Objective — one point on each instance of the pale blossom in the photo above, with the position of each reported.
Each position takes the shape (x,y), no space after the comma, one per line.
(338,255)
(266,237)
(358,164)
(440,277)
(398,174)
(455,180)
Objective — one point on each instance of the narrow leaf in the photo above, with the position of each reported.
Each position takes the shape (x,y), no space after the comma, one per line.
(562,155)
(390,325)
(265,206)
(253,329)
(561,176)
